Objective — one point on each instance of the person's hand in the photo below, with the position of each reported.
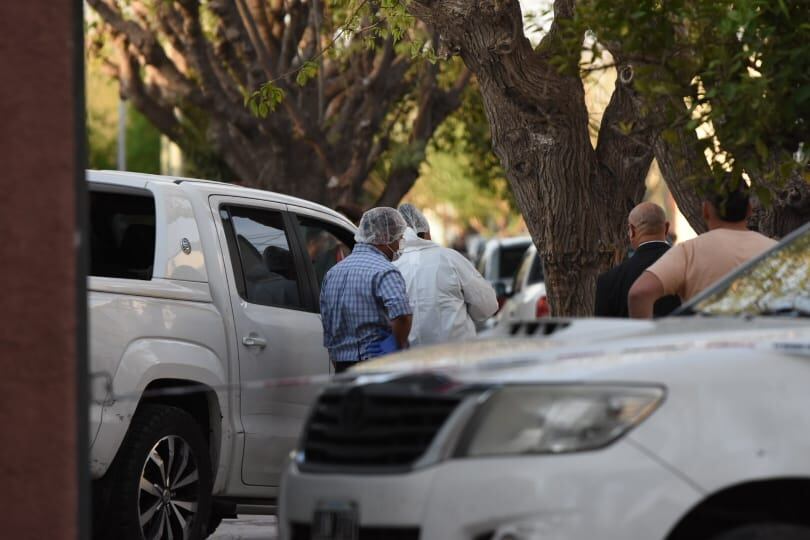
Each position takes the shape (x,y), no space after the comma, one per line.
(375,349)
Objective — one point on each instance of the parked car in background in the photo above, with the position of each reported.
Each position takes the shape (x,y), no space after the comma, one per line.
(690,427)
(528,300)
(500,262)
(196,291)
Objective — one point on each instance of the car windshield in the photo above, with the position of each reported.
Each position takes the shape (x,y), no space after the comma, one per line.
(776,284)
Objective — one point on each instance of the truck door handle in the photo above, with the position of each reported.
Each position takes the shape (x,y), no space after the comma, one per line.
(254,341)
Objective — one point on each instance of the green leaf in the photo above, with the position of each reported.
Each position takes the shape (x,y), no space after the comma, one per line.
(308,71)
(786,169)
(762,150)
(763,194)
(265,100)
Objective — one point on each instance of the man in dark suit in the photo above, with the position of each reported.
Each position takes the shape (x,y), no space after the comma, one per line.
(647,228)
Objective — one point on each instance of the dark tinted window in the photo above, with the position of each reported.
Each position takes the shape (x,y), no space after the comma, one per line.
(510,260)
(267,265)
(325,244)
(122,235)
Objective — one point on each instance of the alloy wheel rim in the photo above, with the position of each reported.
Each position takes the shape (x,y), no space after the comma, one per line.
(168,492)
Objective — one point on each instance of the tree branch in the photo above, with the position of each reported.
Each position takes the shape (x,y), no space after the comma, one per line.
(132,87)
(200,53)
(146,43)
(683,166)
(293,33)
(258,10)
(624,146)
(435,107)
(252,33)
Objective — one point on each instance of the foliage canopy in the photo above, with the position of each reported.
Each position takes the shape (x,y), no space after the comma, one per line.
(741,67)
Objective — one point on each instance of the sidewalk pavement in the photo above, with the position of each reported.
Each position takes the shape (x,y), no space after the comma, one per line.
(247,528)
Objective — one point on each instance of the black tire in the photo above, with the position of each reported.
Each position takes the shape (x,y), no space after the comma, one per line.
(766,531)
(183,502)
(213,523)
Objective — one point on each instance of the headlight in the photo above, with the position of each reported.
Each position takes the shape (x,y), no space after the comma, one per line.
(556,418)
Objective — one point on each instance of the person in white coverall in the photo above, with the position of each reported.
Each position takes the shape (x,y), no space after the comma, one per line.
(447,294)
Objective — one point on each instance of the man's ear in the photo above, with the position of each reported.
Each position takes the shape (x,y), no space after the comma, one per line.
(749,210)
(707,211)
(666,228)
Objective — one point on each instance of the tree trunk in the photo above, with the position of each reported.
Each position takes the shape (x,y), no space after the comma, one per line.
(566,190)
(682,166)
(789,209)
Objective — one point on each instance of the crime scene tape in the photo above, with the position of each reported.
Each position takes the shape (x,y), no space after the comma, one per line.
(448,365)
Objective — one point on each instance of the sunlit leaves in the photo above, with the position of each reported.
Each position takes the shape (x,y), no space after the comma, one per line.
(742,68)
(349,24)
(265,100)
(308,71)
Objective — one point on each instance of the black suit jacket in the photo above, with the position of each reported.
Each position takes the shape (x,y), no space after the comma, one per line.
(612,286)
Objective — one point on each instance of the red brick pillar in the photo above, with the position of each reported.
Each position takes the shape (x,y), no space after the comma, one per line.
(42,427)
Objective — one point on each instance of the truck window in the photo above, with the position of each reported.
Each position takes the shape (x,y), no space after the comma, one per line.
(510,260)
(325,244)
(265,258)
(122,235)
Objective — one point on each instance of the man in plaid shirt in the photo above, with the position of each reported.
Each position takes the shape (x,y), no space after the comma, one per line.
(364,303)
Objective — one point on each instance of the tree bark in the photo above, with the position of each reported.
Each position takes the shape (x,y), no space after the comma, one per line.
(789,208)
(682,165)
(565,189)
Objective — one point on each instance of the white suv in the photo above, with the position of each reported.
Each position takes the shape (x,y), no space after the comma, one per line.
(689,427)
(197,287)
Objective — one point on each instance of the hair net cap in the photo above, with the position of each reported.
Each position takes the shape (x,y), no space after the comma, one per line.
(381,225)
(414,218)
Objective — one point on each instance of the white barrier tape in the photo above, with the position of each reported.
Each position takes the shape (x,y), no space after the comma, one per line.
(455,367)
(444,365)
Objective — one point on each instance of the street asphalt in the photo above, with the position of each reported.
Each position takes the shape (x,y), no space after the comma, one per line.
(247,528)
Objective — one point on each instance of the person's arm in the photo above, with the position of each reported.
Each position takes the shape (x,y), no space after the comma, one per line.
(665,276)
(401,327)
(326,320)
(394,295)
(482,303)
(643,294)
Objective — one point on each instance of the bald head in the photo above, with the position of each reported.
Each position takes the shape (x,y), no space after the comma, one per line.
(647,222)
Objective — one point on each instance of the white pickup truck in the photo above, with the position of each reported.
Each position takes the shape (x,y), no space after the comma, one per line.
(194,288)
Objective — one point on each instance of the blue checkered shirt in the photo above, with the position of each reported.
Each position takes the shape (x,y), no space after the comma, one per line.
(359,296)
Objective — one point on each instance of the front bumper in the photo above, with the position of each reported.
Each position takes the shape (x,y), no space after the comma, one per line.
(616,493)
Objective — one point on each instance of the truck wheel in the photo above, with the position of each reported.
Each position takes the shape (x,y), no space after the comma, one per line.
(213,524)
(766,531)
(160,482)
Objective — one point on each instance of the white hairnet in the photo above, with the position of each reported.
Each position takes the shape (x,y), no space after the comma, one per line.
(414,218)
(381,225)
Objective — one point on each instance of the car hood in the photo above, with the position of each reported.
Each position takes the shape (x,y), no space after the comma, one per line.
(593,348)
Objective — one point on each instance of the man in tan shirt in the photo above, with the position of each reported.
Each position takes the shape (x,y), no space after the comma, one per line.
(690,267)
